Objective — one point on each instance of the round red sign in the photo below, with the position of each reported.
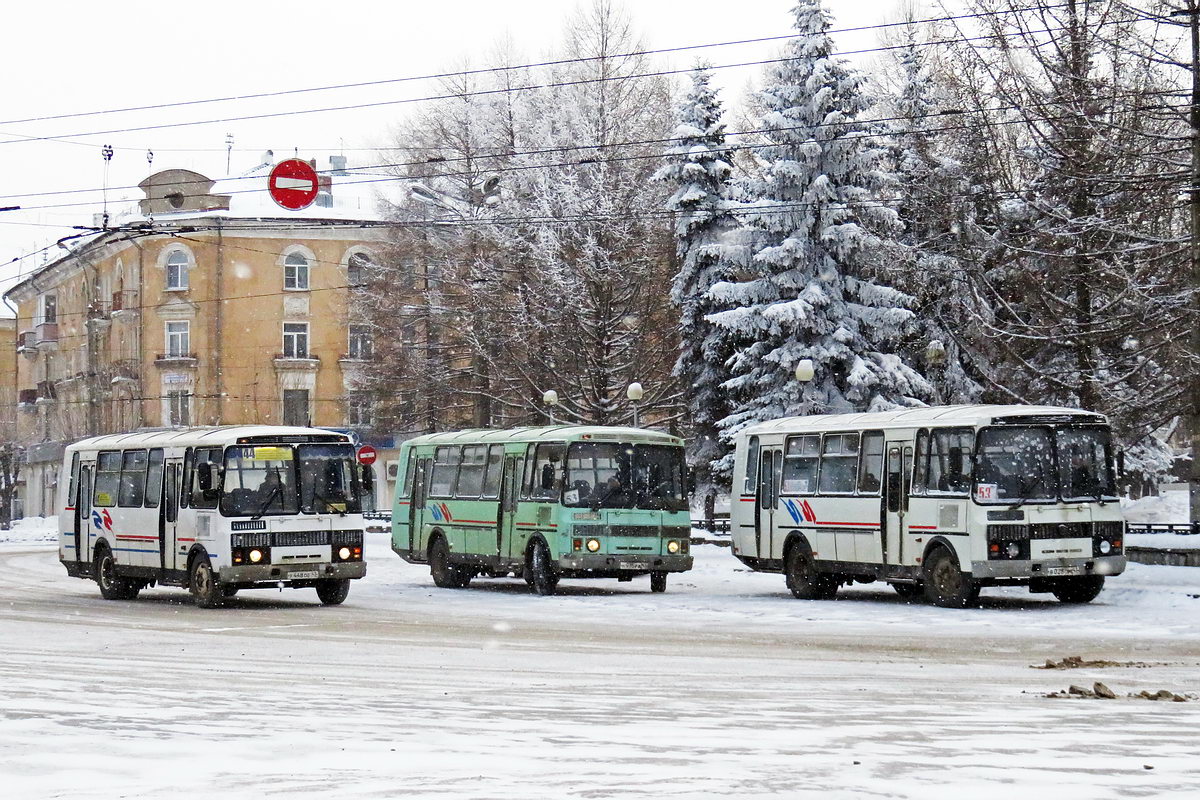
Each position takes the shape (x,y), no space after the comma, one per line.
(367,454)
(293,184)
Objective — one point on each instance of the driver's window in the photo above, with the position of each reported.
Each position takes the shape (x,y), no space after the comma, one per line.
(547,472)
(212,457)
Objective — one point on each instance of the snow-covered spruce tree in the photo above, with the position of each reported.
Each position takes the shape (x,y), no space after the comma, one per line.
(698,169)
(819,229)
(932,192)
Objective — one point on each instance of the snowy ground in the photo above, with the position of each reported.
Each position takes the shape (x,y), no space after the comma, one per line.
(1170,507)
(722,687)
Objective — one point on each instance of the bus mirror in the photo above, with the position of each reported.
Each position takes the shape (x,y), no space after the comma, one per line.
(204,476)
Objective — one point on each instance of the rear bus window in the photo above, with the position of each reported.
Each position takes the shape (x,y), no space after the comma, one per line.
(800,464)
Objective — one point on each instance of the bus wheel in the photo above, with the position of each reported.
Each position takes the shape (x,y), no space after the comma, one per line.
(333,591)
(229,591)
(945,583)
(1078,590)
(204,584)
(909,591)
(445,575)
(658,581)
(542,571)
(112,587)
(802,577)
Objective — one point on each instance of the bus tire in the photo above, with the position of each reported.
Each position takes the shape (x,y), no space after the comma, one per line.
(104,571)
(909,591)
(802,578)
(228,591)
(1078,590)
(203,583)
(658,581)
(946,585)
(541,570)
(333,591)
(445,575)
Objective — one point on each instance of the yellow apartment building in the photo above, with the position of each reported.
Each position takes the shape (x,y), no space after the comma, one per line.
(208,304)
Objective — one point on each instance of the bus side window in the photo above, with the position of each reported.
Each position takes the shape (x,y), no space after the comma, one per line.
(871,465)
(133,479)
(410,469)
(751,466)
(154,477)
(445,471)
(527,474)
(186,483)
(495,466)
(108,479)
(73,485)
(800,460)
(170,507)
(921,465)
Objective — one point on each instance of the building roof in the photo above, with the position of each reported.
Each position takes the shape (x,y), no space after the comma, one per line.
(912,417)
(552,433)
(193,437)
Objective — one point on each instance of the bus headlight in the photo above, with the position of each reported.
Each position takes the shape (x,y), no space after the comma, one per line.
(1013,550)
(593,545)
(1105,547)
(672,547)
(344,554)
(255,556)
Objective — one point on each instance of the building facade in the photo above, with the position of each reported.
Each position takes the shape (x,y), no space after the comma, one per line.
(208,305)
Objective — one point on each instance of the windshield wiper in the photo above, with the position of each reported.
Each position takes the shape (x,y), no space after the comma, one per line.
(329,503)
(1024,488)
(270,496)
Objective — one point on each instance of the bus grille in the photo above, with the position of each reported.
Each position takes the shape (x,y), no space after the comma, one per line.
(1061,530)
(300,538)
(633,530)
(351,538)
(677,532)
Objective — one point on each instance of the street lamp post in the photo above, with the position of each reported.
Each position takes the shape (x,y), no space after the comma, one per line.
(805,370)
(635,394)
(550,398)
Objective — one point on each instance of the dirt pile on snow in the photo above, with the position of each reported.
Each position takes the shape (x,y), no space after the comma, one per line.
(1101,692)
(1078,662)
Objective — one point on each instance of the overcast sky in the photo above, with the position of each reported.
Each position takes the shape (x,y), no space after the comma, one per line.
(71,57)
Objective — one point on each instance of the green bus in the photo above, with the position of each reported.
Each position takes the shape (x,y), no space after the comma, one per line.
(543,504)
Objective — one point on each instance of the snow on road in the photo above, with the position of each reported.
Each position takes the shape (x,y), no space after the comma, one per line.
(722,687)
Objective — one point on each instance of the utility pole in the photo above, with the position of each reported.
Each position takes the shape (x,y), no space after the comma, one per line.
(1193,11)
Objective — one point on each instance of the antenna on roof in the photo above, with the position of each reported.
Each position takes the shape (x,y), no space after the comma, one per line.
(228,150)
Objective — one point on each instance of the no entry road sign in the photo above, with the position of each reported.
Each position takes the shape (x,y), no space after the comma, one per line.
(293,184)
(367,454)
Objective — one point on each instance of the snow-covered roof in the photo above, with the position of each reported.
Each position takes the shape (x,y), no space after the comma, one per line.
(215,436)
(914,418)
(553,433)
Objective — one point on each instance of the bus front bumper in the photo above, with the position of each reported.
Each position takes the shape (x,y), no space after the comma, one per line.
(609,564)
(1049,568)
(299,574)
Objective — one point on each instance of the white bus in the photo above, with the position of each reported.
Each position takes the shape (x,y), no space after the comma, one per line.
(214,510)
(941,500)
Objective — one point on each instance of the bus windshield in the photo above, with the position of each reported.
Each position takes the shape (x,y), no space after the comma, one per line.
(327,479)
(259,480)
(1020,463)
(620,475)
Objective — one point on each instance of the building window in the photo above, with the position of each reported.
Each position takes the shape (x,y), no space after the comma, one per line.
(179,409)
(295,407)
(177,271)
(179,340)
(362,345)
(358,269)
(295,340)
(295,271)
(358,410)
(49,308)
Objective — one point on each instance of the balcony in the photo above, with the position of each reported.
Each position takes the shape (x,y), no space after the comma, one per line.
(126,371)
(47,336)
(285,363)
(46,393)
(125,304)
(27,343)
(99,315)
(26,398)
(177,360)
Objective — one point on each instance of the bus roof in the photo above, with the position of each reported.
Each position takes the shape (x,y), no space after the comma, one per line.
(551,433)
(215,435)
(971,415)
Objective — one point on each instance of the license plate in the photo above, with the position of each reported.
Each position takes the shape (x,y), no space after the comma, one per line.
(635,565)
(303,574)
(1064,570)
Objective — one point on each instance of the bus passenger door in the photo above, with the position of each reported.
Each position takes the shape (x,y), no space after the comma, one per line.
(766,500)
(506,522)
(416,507)
(168,516)
(896,485)
(83,516)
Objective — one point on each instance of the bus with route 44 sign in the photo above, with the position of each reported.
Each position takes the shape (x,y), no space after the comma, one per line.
(544,504)
(214,510)
(940,501)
